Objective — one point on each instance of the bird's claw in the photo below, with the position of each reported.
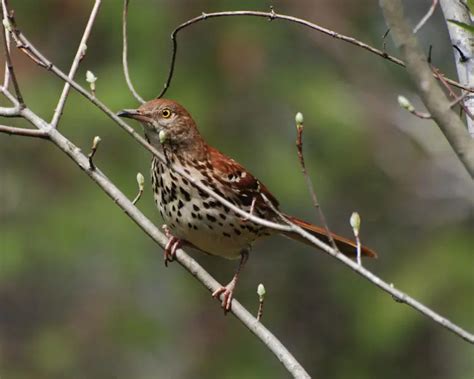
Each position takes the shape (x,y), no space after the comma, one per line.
(227,293)
(170,249)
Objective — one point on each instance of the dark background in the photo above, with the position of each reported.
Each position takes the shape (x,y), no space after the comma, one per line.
(84,293)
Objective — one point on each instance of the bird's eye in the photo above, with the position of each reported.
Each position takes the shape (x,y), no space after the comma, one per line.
(166,113)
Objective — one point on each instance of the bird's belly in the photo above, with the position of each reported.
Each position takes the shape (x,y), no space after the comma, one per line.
(205,224)
(221,238)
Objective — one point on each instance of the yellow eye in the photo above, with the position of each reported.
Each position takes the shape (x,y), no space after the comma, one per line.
(166,113)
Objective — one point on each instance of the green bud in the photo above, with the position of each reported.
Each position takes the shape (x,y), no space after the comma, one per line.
(91,79)
(140,181)
(405,103)
(299,118)
(96,142)
(355,223)
(261,291)
(162,136)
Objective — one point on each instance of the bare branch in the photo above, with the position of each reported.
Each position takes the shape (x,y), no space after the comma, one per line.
(81,51)
(6,80)
(427,16)
(442,79)
(125,54)
(272,16)
(23,132)
(141,187)
(8,59)
(309,183)
(431,94)
(90,156)
(135,214)
(398,295)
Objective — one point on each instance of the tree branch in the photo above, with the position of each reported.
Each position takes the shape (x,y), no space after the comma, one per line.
(23,132)
(272,16)
(427,16)
(125,54)
(422,76)
(81,51)
(461,40)
(9,71)
(37,57)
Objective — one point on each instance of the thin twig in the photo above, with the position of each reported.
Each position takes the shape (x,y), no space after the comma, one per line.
(8,59)
(427,16)
(90,156)
(6,79)
(125,54)
(141,187)
(446,85)
(405,104)
(402,297)
(23,132)
(261,291)
(81,51)
(384,44)
(272,16)
(309,182)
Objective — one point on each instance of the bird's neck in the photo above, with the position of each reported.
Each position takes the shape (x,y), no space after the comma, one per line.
(187,147)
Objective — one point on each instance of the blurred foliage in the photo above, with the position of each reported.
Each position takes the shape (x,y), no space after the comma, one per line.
(84,293)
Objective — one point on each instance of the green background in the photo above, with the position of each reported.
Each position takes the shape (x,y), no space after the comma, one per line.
(84,293)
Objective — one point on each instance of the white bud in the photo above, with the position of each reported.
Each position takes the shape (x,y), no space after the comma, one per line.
(405,103)
(261,291)
(299,118)
(83,52)
(140,181)
(355,223)
(7,25)
(162,136)
(96,142)
(90,77)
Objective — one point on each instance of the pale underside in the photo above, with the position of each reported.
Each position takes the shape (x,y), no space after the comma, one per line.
(197,218)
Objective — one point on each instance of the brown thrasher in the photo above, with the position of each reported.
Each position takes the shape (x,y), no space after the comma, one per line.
(193,217)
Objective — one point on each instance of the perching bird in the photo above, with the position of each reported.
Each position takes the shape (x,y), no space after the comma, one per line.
(194,217)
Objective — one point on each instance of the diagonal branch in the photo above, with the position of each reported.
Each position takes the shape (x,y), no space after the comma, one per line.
(81,51)
(429,91)
(125,54)
(426,17)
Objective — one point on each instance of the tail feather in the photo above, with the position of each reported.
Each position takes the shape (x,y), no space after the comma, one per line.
(346,246)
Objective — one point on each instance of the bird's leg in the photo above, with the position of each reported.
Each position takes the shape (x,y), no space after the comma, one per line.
(252,207)
(228,291)
(171,246)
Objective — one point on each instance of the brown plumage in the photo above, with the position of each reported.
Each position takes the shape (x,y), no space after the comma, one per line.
(191,215)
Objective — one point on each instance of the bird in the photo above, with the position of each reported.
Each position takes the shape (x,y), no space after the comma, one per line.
(193,217)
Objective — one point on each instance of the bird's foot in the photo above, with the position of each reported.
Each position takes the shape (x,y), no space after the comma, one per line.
(227,293)
(172,245)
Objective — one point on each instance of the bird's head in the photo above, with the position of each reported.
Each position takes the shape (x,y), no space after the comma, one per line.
(166,123)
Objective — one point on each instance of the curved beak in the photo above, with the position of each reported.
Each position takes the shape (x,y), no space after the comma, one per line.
(134,114)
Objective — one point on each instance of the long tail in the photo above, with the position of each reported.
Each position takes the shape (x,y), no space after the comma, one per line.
(346,246)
